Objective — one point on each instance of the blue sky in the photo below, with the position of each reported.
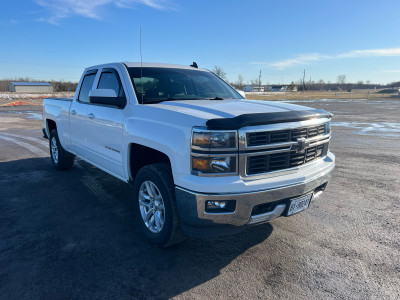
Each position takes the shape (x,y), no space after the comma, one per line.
(57,39)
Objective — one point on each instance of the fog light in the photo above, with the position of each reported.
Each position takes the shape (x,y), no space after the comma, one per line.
(221,206)
(216,204)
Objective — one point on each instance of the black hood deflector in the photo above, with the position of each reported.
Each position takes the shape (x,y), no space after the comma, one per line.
(266,118)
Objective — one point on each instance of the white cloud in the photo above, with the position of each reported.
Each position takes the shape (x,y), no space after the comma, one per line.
(304,59)
(60,9)
(371,52)
(391,71)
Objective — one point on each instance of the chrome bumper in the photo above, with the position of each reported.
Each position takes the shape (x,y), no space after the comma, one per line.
(191,205)
(278,211)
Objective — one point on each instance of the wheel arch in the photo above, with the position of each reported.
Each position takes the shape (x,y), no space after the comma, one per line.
(140,156)
(50,125)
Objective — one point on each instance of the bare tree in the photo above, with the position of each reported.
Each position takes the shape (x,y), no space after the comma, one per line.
(321,84)
(299,84)
(239,84)
(341,79)
(217,70)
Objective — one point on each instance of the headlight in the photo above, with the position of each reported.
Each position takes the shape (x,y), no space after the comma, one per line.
(214,139)
(210,165)
(328,127)
(214,153)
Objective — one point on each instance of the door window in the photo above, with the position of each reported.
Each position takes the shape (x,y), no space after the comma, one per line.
(109,79)
(86,87)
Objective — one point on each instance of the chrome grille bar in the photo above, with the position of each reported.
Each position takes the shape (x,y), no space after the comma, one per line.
(275,149)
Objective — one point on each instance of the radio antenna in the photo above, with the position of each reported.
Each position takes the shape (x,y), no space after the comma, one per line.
(141,62)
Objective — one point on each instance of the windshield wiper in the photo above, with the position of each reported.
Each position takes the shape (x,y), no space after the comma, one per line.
(215,98)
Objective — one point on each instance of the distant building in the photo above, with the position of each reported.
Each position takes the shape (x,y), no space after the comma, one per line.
(30,87)
(268,88)
(248,88)
(257,88)
(283,88)
(253,88)
(276,88)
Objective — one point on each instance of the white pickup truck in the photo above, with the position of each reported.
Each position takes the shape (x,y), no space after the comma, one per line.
(203,161)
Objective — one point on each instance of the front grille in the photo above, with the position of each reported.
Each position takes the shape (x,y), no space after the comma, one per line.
(278,161)
(281,136)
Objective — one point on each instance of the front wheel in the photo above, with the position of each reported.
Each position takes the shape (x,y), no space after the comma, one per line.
(154,196)
(60,158)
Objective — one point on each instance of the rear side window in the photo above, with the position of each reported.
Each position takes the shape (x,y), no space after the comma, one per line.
(86,87)
(110,80)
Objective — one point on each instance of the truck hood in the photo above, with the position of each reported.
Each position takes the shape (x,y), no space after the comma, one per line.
(213,109)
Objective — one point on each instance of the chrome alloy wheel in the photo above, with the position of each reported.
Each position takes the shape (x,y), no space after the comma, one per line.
(54,150)
(151,206)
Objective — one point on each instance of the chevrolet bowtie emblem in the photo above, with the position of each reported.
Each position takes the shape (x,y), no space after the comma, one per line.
(301,146)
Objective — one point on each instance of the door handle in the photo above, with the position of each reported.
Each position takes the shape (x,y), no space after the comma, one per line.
(73,112)
(91,116)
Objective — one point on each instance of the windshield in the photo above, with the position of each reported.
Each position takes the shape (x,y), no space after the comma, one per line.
(155,85)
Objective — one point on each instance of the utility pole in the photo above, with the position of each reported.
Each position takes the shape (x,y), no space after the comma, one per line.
(304,76)
(259,82)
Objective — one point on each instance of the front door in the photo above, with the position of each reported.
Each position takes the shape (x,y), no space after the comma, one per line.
(105,127)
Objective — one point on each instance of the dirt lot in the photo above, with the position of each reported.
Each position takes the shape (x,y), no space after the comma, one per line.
(337,95)
(72,235)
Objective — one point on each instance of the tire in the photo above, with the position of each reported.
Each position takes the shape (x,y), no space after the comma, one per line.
(154,197)
(60,158)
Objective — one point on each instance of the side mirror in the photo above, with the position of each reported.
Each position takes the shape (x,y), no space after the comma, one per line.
(107,97)
(242,93)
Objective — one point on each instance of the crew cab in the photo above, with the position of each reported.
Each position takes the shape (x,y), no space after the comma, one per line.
(202,160)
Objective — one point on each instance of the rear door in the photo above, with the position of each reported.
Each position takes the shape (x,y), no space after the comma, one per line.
(105,126)
(78,115)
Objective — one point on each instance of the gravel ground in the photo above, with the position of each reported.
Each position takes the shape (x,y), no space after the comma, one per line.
(72,235)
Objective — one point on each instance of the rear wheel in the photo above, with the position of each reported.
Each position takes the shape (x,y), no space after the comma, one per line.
(155,206)
(60,158)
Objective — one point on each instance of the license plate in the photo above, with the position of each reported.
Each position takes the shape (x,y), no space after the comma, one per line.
(299,204)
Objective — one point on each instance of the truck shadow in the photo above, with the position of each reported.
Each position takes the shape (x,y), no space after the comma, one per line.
(73,235)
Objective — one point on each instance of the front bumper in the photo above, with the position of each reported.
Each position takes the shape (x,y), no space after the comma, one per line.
(196,222)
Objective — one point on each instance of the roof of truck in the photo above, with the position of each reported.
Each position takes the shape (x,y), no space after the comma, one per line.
(157,65)
(147,65)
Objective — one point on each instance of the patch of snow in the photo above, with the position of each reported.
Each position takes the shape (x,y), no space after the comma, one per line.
(383,128)
(11,96)
(35,116)
(265,93)
(32,115)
